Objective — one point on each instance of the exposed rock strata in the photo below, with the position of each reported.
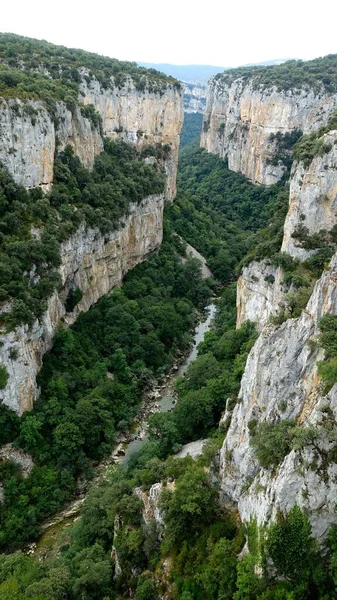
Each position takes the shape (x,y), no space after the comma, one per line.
(240,118)
(95,264)
(139,117)
(281,382)
(259,293)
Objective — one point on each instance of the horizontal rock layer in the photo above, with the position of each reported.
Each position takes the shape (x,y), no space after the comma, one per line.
(240,118)
(95,264)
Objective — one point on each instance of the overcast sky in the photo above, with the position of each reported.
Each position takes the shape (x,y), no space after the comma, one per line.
(214,32)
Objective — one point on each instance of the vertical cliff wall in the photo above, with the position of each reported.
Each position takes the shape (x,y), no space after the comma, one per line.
(95,264)
(194,97)
(281,382)
(313,205)
(313,197)
(139,117)
(259,293)
(281,379)
(242,118)
(29,134)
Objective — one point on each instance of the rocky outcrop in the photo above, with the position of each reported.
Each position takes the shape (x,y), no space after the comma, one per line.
(242,118)
(8,452)
(281,379)
(92,262)
(150,500)
(259,293)
(313,197)
(193,449)
(313,205)
(29,133)
(194,97)
(281,382)
(27,142)
(139,117)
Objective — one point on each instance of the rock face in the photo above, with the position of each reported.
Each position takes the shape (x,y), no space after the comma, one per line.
(139,117)
(9,453)
(194,97)
(312,204)
(93,263)
(281,382)
(240,118)
(28,134)
(259,293)
(313,197)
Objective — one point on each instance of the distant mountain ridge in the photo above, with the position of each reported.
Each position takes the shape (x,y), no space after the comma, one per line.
(199,73)
(189,73)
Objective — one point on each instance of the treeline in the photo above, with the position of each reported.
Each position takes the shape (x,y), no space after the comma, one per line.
(32,68)
(318,74)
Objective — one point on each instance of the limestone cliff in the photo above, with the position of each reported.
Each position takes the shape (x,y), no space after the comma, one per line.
(136,106)
(242,118)
(313,197)
(92,262)
(194,97)
(29,134)
(140,117)
(281,382)
(259,293)
(313,205)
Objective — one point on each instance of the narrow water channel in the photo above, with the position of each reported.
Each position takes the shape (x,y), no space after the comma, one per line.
(167,397)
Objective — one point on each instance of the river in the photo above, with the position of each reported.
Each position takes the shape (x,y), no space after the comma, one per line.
(167,396)
(164,398)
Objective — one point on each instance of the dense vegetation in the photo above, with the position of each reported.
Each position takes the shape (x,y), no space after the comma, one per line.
(92,381)
(225,216)
(273,441)
(320,73)
(201,540)
(190,133)
(33,226)
(32,68)
(327,340)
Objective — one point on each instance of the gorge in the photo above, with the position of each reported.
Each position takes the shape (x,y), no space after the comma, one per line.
(92,167)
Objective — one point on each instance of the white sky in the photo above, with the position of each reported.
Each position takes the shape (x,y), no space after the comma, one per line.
(214,32)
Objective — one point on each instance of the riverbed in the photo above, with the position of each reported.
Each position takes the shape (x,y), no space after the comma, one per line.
(162,399)
(166,394)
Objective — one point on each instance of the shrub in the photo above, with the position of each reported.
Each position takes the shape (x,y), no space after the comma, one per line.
(273,441)
(3,377)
